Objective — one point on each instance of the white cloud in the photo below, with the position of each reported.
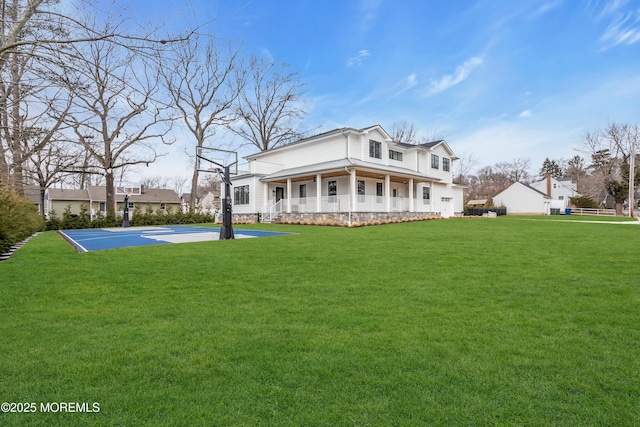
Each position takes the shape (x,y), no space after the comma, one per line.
(392,91)
(526,113)
(369,12)
(357,60)
(549,5)
(412,80)
(624,27)
(450,80)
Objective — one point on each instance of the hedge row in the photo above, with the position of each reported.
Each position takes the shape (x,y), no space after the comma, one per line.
(70,221)
(19,218)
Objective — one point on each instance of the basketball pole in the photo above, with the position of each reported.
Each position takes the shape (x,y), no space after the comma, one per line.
(125,222)
(226,231)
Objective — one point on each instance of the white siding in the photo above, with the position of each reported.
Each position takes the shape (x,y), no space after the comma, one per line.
(520,199)
(307,153)
(256,194)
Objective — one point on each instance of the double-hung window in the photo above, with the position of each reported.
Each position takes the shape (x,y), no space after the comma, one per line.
(241,195)
(395,155)
(361,191)
(426,195)
(435,161)
(375,149)
(303,194)
(446,164)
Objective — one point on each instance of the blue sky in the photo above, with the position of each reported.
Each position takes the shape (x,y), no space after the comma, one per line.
(498,79)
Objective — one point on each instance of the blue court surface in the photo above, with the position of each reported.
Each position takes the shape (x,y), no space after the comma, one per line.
(96,239)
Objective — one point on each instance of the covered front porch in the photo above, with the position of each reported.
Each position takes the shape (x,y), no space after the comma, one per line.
(353,190)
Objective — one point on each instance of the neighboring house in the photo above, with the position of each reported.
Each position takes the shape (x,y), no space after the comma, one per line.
(208,204)
(560,190)
(95,197)
(521,199)
(33,194)
(59,198)
(350,175)
(184,201)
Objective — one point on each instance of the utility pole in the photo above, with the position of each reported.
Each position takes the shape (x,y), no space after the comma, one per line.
(632,176)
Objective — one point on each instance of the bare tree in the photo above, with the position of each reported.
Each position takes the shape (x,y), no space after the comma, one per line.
(31,114)
(36,34)
(491,180)
(203,81)
(610,151)
(404,132)
(49,166)
(116,116)
(463,167)
(60,26)
(270,110)
(154,182)
(178,183)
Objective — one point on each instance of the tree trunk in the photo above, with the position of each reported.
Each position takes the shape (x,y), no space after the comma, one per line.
(194,191)
(16,132)
(42,201)
(618,208)
(111,194)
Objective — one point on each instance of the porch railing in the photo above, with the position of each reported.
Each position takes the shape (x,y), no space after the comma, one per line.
(272,211)
(342,203)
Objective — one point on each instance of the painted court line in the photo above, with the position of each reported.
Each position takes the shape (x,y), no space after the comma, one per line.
(88,240)
(78,246)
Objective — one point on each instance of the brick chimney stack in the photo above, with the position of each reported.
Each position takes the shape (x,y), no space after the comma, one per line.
(549,184)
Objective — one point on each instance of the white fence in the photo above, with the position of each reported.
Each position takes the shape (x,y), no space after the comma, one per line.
(596,212)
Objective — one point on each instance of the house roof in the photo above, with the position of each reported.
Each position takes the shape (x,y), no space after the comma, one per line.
(99,194)
(525,186)
(32,194)
(430,146)
(340,165)
(67,194)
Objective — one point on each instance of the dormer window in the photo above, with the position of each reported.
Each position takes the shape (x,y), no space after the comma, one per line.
(375,149)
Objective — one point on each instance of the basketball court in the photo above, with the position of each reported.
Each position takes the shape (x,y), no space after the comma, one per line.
(96,239)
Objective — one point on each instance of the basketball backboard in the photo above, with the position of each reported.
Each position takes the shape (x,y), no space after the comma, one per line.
(215,160)
(128,189)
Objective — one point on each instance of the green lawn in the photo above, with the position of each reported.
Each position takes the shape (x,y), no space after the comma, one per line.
(508,321)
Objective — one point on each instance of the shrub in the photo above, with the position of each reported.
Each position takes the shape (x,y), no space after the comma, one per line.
(53,222)
(584,202)
(19,218)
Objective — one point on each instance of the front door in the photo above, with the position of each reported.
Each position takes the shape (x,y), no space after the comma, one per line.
(279,194)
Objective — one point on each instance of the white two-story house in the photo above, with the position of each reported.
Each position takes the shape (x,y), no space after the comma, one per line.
(351,175)
(559,190)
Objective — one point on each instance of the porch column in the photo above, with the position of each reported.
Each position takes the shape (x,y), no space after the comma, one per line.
(353,192)
(318,192)
(411,207)
(265,194)
(288,195)
(387,191)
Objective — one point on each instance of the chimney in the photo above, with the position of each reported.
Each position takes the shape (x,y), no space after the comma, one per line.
(549,184)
